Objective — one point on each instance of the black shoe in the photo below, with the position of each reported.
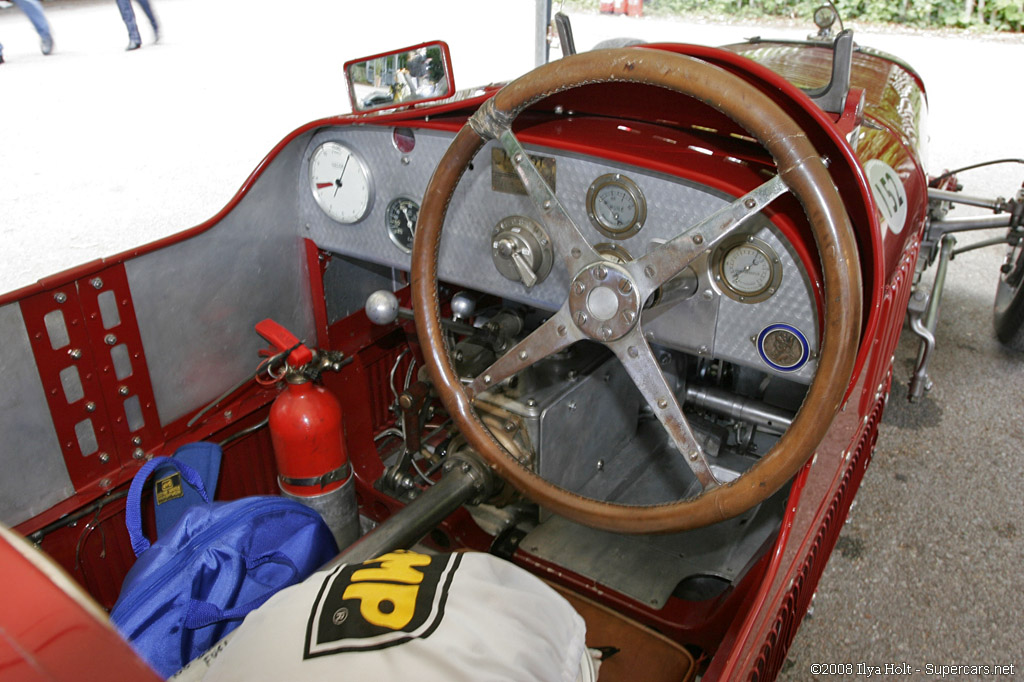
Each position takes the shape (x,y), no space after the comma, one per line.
(46,45)
(133,45)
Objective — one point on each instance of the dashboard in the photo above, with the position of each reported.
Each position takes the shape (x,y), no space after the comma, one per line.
(749,300)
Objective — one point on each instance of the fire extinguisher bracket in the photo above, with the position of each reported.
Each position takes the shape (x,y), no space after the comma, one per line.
(339,474)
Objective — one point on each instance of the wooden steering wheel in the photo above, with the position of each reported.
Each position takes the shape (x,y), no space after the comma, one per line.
(605,299)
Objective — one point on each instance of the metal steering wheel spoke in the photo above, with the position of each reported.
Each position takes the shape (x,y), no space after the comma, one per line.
(638,359)
(660,265)
(569,242)
(556,333)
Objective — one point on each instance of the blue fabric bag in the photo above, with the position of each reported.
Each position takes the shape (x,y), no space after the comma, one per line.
(170,496)
(219,561)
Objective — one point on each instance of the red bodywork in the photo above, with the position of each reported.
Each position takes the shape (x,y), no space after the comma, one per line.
(746,631)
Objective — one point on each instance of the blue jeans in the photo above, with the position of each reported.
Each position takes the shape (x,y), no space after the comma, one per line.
(35,14)
(128,15)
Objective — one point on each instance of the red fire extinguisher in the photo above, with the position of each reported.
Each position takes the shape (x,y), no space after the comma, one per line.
(309,444)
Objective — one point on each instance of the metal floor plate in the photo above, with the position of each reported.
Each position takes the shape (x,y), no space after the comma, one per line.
(649,567)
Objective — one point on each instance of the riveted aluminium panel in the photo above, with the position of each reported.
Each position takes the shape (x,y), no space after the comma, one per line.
(197,301)
(35,477)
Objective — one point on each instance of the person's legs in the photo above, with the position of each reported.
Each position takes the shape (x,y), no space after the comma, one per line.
(128,15)
(35,14)
(148,9)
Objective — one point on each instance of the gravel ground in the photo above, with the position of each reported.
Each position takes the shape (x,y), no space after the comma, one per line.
(102,150)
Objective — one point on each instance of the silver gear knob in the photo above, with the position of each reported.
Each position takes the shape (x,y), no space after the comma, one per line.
(382,307)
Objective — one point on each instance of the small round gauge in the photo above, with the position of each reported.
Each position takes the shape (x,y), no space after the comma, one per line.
(616,206)
(783,347)
(341,182)
(400,219)
(612,252)
(747,269)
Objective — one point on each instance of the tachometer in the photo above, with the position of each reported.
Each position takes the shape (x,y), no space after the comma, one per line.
(748,269)
(341,182)
(616,206)
(400,219)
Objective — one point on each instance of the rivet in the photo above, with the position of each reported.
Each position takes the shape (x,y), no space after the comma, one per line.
(96,283)
(575,252)
(707,294)
(530,402)
(60,297)
(510,426)
(104,457)
(698,239)
(136,440)
(750,203)
(518,158)
(662,403)
(487,378)
(693,455)
(75,353)
(547,204)
(523,355)
(572,405)
(138,453)
(123,390)
(105,483)
(90,406)
(600,465)
(633,351)
(110,339)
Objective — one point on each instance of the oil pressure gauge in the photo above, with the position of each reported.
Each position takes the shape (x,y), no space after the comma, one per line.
(747,269)
(400,220)
(616,206)
(340,182)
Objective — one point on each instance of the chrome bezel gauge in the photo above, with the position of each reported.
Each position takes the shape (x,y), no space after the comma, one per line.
(341,182)
(746,269)
(616,206)
(400,222)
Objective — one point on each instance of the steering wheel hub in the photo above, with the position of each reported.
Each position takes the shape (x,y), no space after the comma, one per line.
(603,302)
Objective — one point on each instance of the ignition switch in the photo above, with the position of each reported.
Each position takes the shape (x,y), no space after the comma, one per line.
(521,250)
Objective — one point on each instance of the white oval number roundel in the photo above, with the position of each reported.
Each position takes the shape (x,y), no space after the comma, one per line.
(889,193)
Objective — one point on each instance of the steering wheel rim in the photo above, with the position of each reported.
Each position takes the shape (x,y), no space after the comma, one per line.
(802,171)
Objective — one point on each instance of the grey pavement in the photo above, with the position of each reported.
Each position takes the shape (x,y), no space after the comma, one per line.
(102,150)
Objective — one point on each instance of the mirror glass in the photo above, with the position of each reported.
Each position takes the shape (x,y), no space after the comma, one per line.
(412,74)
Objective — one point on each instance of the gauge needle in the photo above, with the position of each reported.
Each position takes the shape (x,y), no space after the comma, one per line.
(340,177)
(324,185)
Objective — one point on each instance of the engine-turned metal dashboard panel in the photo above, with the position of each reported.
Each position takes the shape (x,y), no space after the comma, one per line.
(702,315)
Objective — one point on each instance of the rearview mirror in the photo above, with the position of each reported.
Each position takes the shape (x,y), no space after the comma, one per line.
(420,73)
